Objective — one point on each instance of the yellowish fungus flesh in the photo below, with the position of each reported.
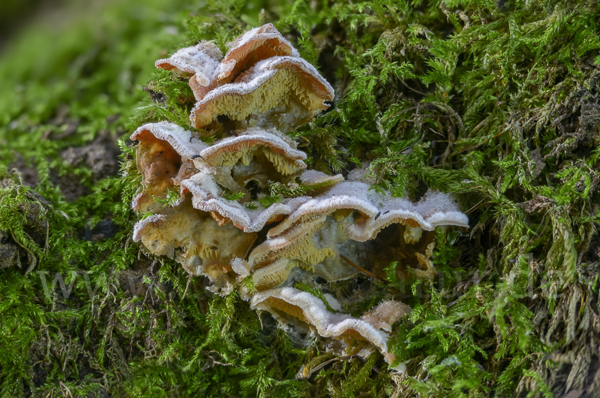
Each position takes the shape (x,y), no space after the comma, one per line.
(286,88)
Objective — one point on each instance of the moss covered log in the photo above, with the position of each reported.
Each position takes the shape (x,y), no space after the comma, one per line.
(495,102)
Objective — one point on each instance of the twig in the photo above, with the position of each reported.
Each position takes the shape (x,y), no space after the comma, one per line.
(372,275)
(66,393)
(186,287)
(545,225)
(344,358)
(47,236)
(213,361)
(412,89)
(538,228)
(30,255)
(477,206)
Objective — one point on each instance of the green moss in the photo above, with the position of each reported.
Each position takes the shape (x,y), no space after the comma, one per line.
(495,102)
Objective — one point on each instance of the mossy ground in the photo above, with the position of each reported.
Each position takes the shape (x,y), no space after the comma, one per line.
(493,101)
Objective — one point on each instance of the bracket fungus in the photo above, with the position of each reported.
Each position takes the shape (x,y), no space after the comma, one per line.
(302,309)
(245,207)
(228,151)
(283,92)
(253,46)
(199,63)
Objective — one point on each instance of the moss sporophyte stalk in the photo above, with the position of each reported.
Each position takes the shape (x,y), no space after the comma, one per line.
(330,199)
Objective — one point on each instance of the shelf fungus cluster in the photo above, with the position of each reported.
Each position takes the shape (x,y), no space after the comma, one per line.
(245,208)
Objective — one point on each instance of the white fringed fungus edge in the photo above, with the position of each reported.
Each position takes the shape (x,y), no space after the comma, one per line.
(251,137)
(139,226)
(328,324)
(182,140)
(201,61)
(248,43)
(204,111)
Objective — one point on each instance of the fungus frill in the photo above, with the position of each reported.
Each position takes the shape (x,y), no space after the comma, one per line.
(386,314)
(293,306)
(253,46)
(196,241)
(228,151)
(199,63)
(283,92)
(324,232)
(164,157)
(245,207)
